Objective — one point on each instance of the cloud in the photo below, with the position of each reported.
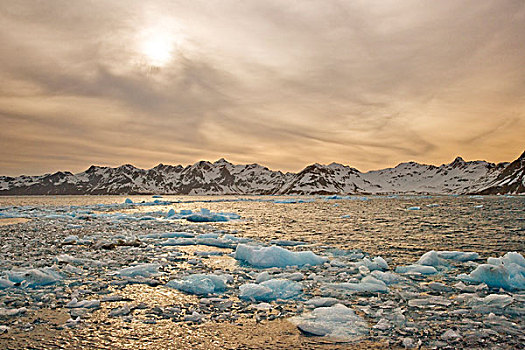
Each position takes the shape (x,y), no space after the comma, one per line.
(284,84)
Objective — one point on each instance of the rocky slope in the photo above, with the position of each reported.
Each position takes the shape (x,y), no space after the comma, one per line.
(222,177)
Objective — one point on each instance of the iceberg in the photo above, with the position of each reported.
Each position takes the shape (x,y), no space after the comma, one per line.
(128,201)
(337,322)
(265,257)
(271,290)
(414,208)
(201,284)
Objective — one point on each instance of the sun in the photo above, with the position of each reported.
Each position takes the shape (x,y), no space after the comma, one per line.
(157,49)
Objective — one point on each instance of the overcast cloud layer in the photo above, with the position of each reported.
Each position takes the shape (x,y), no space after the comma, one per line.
(280,83)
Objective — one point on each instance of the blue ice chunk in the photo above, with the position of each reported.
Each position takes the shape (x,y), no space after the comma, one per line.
(507,272)
(271,290)
(422,269)
(431,258)
(201,284)
(185,212)
(367,284)
(388,277)
(337,322)
(378,263)
(265,257)
(35,277)
(5,283)
(171,213)
(72,239)
(128,201)
(414,208)
(156,196)
(142,270)
(208,235)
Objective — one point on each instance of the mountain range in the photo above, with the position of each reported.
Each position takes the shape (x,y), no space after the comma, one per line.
(224,178)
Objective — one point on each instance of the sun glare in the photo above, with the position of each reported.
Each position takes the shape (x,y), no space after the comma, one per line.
(157,49)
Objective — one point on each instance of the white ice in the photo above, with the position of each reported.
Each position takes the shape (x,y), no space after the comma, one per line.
(271,290)
(201,284)
(337,322)
(265,257)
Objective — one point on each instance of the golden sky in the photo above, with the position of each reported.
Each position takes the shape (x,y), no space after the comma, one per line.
(282,83)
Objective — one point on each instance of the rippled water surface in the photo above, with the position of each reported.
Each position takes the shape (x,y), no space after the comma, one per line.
(377,225)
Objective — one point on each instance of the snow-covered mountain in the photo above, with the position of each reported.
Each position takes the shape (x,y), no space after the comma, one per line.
(223,177)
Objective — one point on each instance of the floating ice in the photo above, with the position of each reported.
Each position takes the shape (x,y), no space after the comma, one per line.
(322,302)
(12,312)
(73,239)
(378,263)
(271,290)
(87,304)
(414,208)
(201,284)
(205,215)
(5,283)
(68,259)
(33,278)
(507,272)
(264,257)
(421,269)
(337,322)
(367,284)
(388,277)
(128,201)
(459,256)
(142,270)
(120,311)
(178,241)
(431,258)
(490,302)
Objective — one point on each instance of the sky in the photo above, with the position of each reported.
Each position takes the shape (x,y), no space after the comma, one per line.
(284,84)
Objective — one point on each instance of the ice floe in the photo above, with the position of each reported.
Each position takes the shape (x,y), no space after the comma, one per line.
(338,322)
(264,257)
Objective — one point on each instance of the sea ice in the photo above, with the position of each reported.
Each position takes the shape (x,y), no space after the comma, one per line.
(33,278)
(271,290)
(87,304)
(12,312)
(458,256)
(507,272)
(414,208)
(142,270)
(388,277)
(264,257)
(128,201)
(422,269)
(378,263)
(201,284)
(367,284)
(337,322)
(4,283)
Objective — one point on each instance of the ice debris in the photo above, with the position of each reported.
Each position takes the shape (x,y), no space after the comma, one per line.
(367,284)
(265,257)
(271,290)
(338,322)
(33,278)
(507,272)
(201,284)
(142,270)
